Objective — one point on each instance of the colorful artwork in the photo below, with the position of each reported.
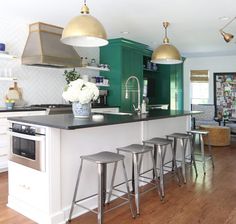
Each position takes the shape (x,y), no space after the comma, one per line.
(225,94)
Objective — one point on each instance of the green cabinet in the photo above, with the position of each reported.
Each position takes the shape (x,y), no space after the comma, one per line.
(164,83)
(125,58)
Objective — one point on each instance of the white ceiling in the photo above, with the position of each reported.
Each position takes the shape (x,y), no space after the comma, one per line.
(194,27)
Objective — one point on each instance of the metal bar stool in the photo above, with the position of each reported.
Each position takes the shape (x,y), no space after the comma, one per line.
(102,159)
(136,150)
(184,140)
(160,147)
(205,157)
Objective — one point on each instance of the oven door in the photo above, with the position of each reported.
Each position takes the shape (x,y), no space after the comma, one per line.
(28,150)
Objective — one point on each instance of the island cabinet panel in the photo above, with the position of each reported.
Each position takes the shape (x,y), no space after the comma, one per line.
(45,197)
(125,58)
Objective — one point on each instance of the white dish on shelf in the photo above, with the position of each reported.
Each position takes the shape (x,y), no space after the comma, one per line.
(8,78)
(97,68)
(6,55)
(4,52)
(98,84)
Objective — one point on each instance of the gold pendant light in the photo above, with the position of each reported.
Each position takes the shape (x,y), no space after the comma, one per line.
(166,53)
(227,36)
(84,31)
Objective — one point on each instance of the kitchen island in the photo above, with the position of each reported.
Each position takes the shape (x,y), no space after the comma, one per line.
(45,196)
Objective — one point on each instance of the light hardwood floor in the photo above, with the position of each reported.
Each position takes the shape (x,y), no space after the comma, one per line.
(209,199)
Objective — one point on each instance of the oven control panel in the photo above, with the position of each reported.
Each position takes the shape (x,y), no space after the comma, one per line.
(24,129)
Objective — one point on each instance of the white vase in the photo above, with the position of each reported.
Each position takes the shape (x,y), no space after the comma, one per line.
(81,110)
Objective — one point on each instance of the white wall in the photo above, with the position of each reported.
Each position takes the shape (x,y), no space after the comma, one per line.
(213,65)
(39,85)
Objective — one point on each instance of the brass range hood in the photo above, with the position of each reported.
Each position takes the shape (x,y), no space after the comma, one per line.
(44,48)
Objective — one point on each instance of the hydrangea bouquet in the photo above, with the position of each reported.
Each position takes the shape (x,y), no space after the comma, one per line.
(80,91)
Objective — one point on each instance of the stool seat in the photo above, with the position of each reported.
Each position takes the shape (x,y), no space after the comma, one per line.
(103,157)
(179,135)
(136,148)
(198,132)
(158,141)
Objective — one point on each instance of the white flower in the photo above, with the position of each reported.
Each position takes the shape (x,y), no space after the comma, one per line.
(82,91)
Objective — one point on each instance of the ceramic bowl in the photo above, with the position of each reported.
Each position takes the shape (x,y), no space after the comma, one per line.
(2,47)
(10,106)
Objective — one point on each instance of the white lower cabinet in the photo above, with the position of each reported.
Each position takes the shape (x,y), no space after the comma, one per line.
(28,186)
(4,144)
(5,138)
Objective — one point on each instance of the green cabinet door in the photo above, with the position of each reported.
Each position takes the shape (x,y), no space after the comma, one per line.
(125,58)
(176,87)
(166,86)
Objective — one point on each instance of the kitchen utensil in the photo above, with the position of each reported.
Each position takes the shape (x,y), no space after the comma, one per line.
(14,92)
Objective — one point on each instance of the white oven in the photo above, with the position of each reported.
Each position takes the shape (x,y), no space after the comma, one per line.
(28,145)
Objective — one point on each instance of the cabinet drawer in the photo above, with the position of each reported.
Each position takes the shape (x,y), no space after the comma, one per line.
(4,151)
(3,127)
(28,185)
(4,140)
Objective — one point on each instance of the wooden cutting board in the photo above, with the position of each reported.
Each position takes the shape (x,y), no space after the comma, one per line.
(14,92)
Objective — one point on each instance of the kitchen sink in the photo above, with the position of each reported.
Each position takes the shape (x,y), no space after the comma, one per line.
(118,113)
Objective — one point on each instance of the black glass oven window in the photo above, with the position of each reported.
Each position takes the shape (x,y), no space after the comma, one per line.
(24,147)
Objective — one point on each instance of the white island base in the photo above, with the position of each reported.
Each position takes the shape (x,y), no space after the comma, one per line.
(45,197)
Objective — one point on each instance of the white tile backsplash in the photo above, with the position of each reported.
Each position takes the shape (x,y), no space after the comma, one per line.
(38,84)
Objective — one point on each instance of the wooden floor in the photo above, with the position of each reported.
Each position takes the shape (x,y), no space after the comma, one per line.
(209,199)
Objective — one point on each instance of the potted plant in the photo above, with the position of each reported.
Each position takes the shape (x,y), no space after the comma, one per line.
(71,75)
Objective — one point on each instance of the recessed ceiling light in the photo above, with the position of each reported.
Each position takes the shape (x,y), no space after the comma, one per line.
(124,32)
(224,18)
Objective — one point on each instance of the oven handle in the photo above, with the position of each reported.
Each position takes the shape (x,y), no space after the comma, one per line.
(38,138)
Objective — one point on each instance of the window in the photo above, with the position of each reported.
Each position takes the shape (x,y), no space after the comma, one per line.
(199,86)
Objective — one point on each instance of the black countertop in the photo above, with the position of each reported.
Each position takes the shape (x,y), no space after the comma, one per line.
(17,109)
(68,121)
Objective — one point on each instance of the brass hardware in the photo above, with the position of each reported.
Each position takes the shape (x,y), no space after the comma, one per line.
(227,36)
(84,31)
(166,53)
(84,9)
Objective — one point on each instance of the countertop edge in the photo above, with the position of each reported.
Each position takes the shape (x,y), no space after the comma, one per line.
(68,122)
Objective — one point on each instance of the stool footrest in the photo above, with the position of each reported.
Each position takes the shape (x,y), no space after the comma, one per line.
(86,208)
(78,202)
